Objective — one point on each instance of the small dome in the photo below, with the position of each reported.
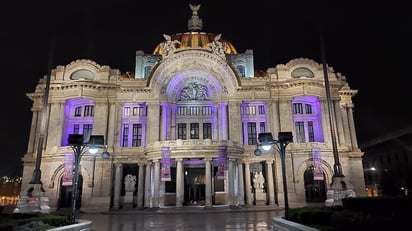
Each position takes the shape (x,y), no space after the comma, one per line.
(196,40)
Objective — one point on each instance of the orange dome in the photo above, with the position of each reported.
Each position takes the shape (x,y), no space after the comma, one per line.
(196,40)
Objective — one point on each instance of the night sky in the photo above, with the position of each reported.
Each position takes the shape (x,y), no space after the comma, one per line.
(370,44)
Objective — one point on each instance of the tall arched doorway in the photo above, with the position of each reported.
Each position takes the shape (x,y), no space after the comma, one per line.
(66,192)
(315,190)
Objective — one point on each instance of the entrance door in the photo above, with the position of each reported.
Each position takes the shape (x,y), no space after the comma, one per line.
(315,190)
(66,192)
(194,186)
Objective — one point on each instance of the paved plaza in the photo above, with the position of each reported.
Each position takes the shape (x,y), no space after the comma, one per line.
(185,219)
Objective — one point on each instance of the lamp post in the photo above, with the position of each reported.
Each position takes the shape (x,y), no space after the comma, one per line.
(266,142)
(79,145)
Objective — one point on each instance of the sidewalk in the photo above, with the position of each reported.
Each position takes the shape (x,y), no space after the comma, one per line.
(196,209)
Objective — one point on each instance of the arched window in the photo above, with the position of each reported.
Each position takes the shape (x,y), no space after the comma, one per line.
(241,69)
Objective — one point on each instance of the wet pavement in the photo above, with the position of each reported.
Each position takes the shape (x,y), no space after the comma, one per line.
(185,219)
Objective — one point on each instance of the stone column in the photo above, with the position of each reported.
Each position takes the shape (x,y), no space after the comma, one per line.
(223,122)
(156,180)
(269,182)
(163,121)
(140,185)
(172,134)
(112,126)
(33,132)
(152,134)
(275,117)
(235,127)
(325,123)
(179,182)
(231,182)
(148,185)
(208,173)
(215,123)
(352,127)
(117,185)
(241,188)
(248,185)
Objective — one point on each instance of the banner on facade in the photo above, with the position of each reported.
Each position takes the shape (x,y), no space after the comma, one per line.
(68,169)
(221,162)
(317,164)
(166,176)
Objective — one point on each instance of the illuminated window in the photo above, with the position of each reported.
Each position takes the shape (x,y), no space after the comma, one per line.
(241,70)
(307,119)
(251,133)
(253,122)
(125,142)
(194,131)
(181,131)
(147,70)
(79,118)
(89,110)
(207,131)
(134,124)
(137,135)
(126,111)
(78,111)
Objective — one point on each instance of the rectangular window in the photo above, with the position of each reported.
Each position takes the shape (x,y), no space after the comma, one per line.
(308,109)
(261,109)
(311,133)
(206,110)
(194,110)
(137,135)
(87,131)
(78,112)
(248,110)
(181,111)
(181,131)
(262,127)
(297,108)
(125,139)
(89,110)
(251,133)
(300,132)
(207,131)
(126,111)
(194,131)
(76,129)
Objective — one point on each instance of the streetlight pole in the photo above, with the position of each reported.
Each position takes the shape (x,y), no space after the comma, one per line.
(266,142)
(80,146)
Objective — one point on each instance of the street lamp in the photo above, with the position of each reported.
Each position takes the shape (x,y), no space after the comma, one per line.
(266,142)
(80,145)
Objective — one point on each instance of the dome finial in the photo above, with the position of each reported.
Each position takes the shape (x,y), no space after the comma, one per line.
(195,23)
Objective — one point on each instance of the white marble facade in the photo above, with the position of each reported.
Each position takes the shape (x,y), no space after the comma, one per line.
(194,102)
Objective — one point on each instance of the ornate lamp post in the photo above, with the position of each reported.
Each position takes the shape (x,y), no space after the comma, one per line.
(266,142)
(80,146)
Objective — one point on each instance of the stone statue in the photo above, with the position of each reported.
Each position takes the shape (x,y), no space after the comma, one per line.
(168,46)
(195,23)
(129,182)
(258,180)
(218,47)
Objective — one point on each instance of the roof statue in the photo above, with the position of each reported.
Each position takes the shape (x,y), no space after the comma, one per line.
(168,46)
(218,47)
(195,23)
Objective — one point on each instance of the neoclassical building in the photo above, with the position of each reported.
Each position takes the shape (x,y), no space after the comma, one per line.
(184,126)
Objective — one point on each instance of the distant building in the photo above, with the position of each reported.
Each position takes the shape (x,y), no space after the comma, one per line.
(387,162)
(9,191)
(185,123)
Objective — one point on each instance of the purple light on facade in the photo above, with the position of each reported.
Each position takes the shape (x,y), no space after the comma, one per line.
(70,119)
